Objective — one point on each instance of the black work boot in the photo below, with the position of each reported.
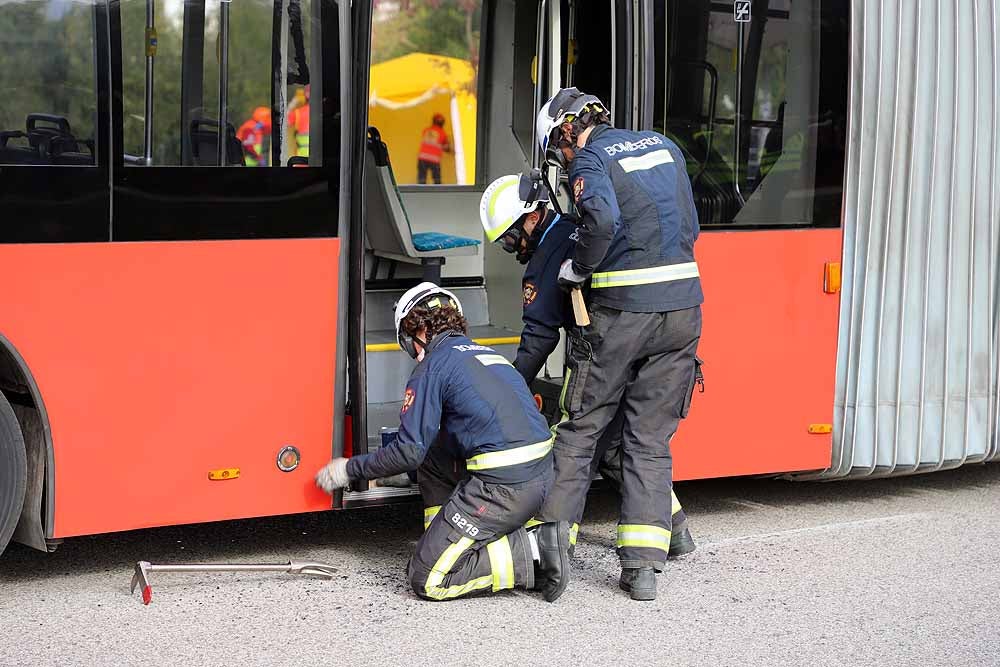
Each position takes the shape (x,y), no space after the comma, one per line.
(640,582)
(681,542)
(552,573)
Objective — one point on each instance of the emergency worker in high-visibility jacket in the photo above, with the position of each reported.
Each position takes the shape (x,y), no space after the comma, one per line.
(433,145)
(298,122)
(516,214)
(635,252)
(471,396)
(252,135)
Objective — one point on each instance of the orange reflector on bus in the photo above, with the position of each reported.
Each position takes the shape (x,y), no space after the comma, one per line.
(223,474)
(820,428)
(831,277)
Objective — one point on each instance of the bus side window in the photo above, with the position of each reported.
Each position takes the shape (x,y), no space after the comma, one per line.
(172,118)
(758,107)
(423,89)
(49,84)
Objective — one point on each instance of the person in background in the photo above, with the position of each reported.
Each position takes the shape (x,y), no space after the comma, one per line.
(253,134)
(298,122)
(433,145)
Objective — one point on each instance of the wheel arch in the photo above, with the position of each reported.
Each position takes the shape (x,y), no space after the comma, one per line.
(20,388)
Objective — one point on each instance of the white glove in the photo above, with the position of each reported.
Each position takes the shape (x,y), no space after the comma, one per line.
(568,278)
(333,476)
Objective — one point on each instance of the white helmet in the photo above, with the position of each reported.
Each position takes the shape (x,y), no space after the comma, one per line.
(424,293)
(506,200)
(566,106)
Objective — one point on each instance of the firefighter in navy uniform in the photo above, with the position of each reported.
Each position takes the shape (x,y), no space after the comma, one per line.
(635,250)
(477,542)
(515,214)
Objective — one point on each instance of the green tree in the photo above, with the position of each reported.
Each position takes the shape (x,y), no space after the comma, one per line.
(444,28)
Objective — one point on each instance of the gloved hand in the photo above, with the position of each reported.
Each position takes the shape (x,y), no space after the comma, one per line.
(333,476)
(568,278)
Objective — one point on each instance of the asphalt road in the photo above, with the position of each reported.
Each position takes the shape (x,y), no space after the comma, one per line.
(882,572)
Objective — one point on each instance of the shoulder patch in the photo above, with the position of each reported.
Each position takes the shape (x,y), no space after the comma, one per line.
(578,189)
(530,293)
(408,399)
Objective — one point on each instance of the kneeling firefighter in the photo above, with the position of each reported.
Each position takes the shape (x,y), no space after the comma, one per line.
(478,403)
(516,214)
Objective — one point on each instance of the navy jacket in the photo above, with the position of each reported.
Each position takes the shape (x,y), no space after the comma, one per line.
(546,305)
(476,397)
(638,222)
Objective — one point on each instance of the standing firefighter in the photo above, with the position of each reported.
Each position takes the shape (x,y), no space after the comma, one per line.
(636,249)
(477,542)
(433,145)
(516,215)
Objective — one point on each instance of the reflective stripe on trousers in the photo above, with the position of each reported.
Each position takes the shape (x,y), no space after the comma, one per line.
(443,566)
(501,564)
(650,537)
(654,274)
(429,514)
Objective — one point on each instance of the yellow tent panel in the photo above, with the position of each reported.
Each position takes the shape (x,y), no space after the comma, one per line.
(404,95)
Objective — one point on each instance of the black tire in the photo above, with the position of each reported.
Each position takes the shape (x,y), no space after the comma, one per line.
(13,472)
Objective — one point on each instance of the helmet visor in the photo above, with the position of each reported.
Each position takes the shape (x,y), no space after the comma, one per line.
(510,240)
(532,191)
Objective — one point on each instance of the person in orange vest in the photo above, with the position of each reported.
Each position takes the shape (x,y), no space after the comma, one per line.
(433,144)
(298,122)
(252,134)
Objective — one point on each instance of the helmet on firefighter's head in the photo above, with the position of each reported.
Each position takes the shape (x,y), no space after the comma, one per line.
(425,294)
(438,119)
(505,203)
(571,106)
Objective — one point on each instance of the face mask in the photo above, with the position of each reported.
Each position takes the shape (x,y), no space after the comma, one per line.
(420,355)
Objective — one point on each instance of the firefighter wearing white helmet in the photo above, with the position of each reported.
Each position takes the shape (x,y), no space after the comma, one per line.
(544,239)
(504,208)
(465,400)
(637,359)
(561,120)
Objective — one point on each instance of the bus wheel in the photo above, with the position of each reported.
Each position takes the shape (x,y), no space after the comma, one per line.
(13,472)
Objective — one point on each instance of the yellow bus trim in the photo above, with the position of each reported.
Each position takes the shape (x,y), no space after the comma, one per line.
(392,347)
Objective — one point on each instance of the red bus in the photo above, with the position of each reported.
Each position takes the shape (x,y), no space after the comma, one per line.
(185,337)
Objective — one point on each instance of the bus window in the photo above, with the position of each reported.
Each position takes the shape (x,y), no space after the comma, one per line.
(423,88)
(171,117)
(758,107)
(48,83)
(271,70)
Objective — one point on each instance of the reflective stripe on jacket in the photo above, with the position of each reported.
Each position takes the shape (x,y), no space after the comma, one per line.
(638,222)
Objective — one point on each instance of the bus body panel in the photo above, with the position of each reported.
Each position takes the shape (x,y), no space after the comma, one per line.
(161,362)
(769,343)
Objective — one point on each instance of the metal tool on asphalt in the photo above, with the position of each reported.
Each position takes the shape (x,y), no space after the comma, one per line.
(144,568)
